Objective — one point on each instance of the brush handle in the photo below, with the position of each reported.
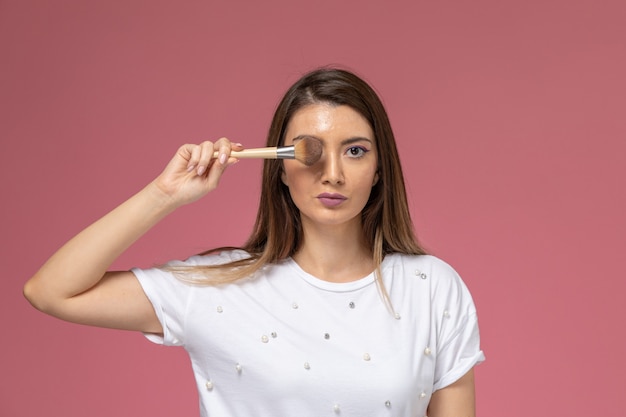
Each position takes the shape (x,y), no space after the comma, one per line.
(272,152)
(263,153)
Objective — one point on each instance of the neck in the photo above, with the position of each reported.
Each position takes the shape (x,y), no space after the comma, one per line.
(335,254)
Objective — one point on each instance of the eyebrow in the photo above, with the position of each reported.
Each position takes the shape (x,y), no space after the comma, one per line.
(344,142)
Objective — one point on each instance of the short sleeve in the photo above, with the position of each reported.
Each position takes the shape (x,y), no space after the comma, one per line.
(169,297)
(456,324)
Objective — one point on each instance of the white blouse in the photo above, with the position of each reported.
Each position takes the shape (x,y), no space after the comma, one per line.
(286,343)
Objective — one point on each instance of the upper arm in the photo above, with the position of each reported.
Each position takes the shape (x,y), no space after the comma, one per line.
(455,400)
(117,301)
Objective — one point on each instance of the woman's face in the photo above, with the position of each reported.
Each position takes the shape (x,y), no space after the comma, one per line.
(333,191)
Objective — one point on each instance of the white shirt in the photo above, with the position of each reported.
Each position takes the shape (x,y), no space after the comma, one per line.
(286,343)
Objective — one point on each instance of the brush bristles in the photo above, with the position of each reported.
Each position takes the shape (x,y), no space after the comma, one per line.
(308,150)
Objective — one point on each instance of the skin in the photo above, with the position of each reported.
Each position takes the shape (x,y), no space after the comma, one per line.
(333,248)
(75,284)
(455,400)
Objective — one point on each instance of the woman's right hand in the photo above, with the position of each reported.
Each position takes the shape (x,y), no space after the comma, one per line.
(74,284)
(193,171)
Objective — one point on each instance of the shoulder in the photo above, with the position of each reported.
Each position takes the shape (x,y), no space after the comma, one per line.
(182,272)
(422,266)
(427,272)
(222,257)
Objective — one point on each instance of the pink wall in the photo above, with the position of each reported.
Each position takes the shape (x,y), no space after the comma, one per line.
(510,116)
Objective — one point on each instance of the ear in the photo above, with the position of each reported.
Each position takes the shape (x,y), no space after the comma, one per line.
(283,178)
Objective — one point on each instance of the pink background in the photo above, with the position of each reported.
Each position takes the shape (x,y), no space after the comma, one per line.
(510,116)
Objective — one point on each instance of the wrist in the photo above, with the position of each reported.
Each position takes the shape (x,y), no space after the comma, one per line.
(159,200)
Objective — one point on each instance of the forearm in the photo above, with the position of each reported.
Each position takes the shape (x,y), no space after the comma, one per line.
(83,261)
(456,400)
(74,284)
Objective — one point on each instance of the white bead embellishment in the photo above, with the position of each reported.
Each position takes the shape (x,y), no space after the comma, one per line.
(209,385)
(220,309)
(387,403)
(294,306)
(420,274)
(238,368)
(326,336)
(274,335)
(398,316)
(351,305)
(423,395)
(306,365)
(446,314)
(265,339)
(336,408)
(427,351)
(366,357)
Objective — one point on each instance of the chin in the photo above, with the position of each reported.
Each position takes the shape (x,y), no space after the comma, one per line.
(335,221)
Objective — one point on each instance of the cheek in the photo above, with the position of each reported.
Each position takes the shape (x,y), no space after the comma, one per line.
(287,173)
(363,188)
(295,172)
(367,178)
(366,187)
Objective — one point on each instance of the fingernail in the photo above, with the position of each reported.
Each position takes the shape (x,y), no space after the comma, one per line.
(223,158)
(190,168)
(201,169)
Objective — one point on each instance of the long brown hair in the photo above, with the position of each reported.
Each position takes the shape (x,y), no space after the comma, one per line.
(277,233)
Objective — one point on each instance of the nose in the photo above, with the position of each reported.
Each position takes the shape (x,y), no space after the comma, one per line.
(332,169)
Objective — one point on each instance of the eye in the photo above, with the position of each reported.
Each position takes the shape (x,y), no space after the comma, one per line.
(356,151)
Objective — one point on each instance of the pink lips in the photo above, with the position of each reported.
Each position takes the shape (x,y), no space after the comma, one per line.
(331,199)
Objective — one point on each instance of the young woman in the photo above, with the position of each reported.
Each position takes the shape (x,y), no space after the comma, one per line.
(330,308)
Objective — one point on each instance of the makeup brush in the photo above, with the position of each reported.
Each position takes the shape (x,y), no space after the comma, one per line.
(306,150)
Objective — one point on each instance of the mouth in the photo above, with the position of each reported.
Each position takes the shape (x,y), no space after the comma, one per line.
(331,199)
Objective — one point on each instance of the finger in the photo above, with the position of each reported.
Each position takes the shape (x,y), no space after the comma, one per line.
(217,169)
(223,146)
(205,155)
(194,156)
